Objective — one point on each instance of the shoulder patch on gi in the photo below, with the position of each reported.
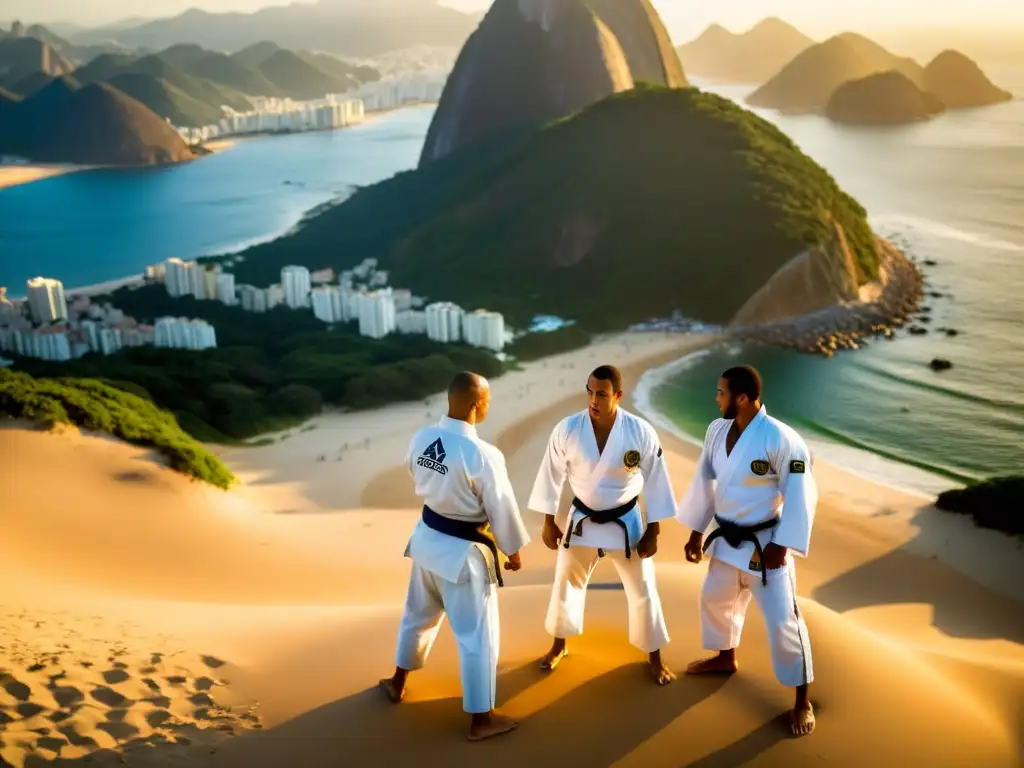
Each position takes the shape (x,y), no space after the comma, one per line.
(659,451)
(631,459)
(760,467)
(797,467)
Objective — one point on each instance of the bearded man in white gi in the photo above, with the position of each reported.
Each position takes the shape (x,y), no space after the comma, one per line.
(753,479)
(609,457)
(469,514)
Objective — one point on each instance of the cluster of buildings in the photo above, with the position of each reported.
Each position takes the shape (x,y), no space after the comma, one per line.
(49,326)
(360,295)
(273,115)
(392,92)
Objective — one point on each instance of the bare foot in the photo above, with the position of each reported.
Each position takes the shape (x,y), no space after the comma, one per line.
(716,665)
(662,674)
(391,690)
(492,724)
(552,658)
(801,720)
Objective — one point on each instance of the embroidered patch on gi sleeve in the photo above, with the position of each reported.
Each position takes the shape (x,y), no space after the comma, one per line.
(631,459)
(796,467)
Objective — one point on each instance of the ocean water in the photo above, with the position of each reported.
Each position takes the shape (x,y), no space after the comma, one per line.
(951,190)
(90,227)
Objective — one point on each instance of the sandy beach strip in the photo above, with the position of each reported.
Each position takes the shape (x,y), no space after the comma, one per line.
(15,175)
(293,584)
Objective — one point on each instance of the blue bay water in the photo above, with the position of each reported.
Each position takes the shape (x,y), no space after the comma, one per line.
(91,227)
(951,190)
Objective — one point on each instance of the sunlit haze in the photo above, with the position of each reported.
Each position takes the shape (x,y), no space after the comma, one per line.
(684,18)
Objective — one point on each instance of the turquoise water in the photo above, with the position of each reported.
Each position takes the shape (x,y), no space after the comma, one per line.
(953,191)
(91,227)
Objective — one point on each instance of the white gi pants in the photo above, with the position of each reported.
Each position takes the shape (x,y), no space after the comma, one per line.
(472,608)
(647,630)
(723,608)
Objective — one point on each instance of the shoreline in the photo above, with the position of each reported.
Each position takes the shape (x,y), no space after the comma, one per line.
(18,175)
(887,472)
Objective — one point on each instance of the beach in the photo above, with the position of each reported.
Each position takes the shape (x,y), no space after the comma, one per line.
(262,617)
(13,175)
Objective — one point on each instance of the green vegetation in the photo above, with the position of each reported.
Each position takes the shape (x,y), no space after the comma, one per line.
(532,346)
(997,503)
(649,201)
(98,407)
(270,371)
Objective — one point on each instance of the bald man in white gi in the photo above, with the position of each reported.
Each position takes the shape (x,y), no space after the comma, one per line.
(469,515)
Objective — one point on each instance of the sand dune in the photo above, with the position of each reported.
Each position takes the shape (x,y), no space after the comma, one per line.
(280,601)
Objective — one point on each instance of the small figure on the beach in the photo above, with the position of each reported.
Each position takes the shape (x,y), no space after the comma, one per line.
(469,514)
(609,456)
(756,469)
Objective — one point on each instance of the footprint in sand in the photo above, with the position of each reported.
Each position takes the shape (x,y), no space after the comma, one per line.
(212,662)
(110,697)
(29,709)
(66,695)
(15,687)
(114,676)
(176,679)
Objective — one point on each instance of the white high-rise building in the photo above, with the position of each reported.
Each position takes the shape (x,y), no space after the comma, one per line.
(411,321)
(181,333)
(350,303)
(46,300)
(327,304)
(275,295)
(485,329)
(176,278)
(376,314)
(403,298)
(296,284)
(444,321)
(226,288)
(197,280)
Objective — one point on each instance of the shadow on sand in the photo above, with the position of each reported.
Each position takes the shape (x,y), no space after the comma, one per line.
(593,724)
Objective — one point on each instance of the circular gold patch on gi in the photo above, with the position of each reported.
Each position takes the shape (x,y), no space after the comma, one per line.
(760,467)
(631,459)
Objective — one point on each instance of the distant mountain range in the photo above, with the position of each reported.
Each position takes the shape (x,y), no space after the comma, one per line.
(186,83)
(347,27)
(64,122)
(753,56)
(808,82)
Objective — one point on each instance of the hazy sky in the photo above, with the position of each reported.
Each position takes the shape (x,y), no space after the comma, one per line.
(685,18)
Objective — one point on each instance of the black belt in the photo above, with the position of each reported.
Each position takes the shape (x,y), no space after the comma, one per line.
(735,535)
(605,516)
(479,533)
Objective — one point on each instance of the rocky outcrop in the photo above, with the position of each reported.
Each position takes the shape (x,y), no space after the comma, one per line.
(960,83)
(887,98)
(536,60)
(845,324)
(817,278)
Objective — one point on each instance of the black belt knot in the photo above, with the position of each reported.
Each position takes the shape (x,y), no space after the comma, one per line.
(478,533)
(604,516)
(735,535)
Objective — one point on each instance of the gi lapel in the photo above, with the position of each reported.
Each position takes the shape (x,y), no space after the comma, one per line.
(600,463)
(737,460)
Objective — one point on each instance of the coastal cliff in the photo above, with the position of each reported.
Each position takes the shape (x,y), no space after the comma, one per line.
(536,60)
(820,277)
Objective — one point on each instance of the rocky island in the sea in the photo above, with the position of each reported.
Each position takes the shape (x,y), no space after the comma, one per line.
(960,83)
(535,60)
(753,56)
(886,98)
(97,124)
(807,83)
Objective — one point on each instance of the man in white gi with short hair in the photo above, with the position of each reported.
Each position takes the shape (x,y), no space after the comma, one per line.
(469,514)
(610,456)
(754,480)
